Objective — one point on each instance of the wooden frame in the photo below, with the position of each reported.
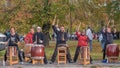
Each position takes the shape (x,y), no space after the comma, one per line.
(12,57)
(62,55)
(84,55)
(34,61)
(113,59)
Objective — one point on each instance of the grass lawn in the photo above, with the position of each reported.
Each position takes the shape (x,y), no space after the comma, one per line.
(96,53)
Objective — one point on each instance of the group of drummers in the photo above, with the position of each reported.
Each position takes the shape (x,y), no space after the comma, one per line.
(37,38)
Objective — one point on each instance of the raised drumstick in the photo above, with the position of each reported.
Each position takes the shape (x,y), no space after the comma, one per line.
(79,26)
(54,20)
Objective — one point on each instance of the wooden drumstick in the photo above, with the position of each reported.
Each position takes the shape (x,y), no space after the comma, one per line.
(54,20)
(108,23)
(79,26)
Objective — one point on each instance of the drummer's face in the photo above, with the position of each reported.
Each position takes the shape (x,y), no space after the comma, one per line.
(32,31)
(38,30)
(108,30)
(62,29)
(12,30)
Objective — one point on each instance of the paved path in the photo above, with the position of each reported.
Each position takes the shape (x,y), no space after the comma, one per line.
(96,64)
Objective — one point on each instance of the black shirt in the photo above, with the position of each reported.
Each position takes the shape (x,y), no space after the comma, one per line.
(60,36)
(38,37)
(13,39)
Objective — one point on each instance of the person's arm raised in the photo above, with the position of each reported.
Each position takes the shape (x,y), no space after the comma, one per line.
(77,31)
(54,27)
(53,23)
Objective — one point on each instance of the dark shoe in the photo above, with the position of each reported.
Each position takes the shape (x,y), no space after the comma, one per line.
(45,62)
(70,61)
(50,62)
(74,61)
(91,62)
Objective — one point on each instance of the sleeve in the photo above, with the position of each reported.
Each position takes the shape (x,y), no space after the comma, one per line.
(8,37)
(26,38)
(77,33)
(34,38)
(54,29)
(66,36)
(17,37)
(42,36)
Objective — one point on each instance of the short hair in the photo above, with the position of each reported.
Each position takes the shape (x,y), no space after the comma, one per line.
(12,28)
(31,28)
(61,25)
(38,27)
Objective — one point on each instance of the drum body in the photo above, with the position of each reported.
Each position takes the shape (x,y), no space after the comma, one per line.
(37,51)
(112,50)
(85,52)
(27,50)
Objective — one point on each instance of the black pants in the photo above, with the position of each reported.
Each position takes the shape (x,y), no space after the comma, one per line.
(21,56)
(45,59)
(55,55)
(77,54)
(104,50)
(5,56)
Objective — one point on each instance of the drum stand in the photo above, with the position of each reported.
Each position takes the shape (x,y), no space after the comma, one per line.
(27,58)
(61,55)
(38,60)
(113,59)
(13,58)
(84,55)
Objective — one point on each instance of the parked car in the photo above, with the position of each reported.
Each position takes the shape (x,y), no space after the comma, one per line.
(2,41)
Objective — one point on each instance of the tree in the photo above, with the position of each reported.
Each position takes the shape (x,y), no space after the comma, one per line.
(113,10)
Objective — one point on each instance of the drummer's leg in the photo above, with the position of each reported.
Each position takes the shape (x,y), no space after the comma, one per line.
(76,53)
(19,56)
(54,55)
(104,51)
(68,56)
(45,58)
(5,56)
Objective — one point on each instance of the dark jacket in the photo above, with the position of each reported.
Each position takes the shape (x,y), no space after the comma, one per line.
(38,37)
(13,39)
(109,38)
(60,35)
(104,36)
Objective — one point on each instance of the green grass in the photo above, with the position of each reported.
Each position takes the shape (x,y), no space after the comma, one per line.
(96,53)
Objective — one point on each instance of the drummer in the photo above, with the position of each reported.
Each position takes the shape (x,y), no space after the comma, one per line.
(38,39)
(82,41)
(109,40)
(29,37)
(12,40)
(61,39)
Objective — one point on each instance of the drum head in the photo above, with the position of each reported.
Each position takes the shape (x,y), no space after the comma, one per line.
(28,44)
(38,45)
